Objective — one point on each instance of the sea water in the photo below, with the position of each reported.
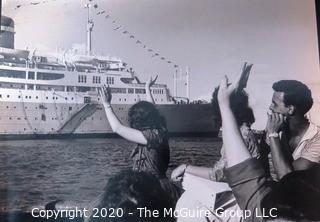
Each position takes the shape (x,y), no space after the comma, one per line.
(35,172)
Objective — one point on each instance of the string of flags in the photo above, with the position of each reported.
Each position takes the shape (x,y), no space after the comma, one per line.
(33,3)
(122,30)
(116,27)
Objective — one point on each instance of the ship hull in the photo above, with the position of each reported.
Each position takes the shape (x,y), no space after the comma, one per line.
(58,120)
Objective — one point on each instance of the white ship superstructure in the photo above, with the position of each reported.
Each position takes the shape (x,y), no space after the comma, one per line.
(58,93)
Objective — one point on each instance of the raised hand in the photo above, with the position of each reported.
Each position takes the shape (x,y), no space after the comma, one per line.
(225,91)
(151,81)
(242,80)
(105,93)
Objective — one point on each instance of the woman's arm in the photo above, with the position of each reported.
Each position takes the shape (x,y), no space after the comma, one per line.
(178,173)
(150,83)
(128,133)
(235,148)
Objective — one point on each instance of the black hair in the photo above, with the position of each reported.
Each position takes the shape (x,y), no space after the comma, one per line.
(145,115)
(296,196)
(129,190)
(295,93)
(239,102)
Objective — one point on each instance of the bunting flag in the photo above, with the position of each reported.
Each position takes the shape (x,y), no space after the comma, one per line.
(32,4)
(101,12)
(115,24)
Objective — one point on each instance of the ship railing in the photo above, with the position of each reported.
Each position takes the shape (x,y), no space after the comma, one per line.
(143,85)
(180,100)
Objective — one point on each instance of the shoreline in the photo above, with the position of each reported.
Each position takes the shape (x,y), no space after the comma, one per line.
(93,135)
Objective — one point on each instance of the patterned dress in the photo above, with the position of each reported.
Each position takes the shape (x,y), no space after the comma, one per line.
(154,158)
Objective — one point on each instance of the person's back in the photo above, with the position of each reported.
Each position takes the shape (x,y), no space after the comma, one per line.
(296,196)
(130,191)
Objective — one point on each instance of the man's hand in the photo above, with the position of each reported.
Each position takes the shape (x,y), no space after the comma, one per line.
(105,93)
(177,173)
(151,81)
(226,89)
(242,80)
(275,122)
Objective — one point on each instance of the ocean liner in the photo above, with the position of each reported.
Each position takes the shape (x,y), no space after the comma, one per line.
(56,94)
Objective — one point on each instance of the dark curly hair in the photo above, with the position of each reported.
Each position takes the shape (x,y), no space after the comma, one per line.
(129,190)
(145,115)
(295,93)
(239,103)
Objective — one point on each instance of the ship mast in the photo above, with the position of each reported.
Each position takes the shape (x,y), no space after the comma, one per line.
(90,25)
(175,74)
(188,82)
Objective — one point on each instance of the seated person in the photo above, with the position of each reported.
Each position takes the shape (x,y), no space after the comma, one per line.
(130,190)
(294,140)
(295,197)
(239,102)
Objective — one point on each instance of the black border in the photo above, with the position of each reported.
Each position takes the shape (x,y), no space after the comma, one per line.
(317,7)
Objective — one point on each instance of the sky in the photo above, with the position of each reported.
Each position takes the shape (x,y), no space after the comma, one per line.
(212,37)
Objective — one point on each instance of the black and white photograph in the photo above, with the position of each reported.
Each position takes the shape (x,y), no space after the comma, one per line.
(159,111)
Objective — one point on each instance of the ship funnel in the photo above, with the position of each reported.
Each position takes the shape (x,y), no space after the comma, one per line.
(7,32)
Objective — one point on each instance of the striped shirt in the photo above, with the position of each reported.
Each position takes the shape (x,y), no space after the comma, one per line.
(309,146)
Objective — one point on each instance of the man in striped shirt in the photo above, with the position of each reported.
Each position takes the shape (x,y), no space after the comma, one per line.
(294,141)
